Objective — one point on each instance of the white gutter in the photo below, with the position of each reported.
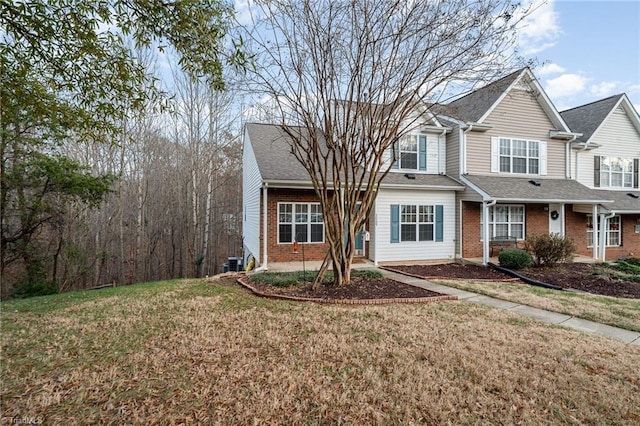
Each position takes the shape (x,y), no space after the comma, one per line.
(444,132)
(567,157)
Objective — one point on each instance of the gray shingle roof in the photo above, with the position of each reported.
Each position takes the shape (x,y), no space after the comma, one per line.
(587,118)
(272,148)
(473,106)
(622,201)
(504,188)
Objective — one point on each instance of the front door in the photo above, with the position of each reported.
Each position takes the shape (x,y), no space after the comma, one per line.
(556,219)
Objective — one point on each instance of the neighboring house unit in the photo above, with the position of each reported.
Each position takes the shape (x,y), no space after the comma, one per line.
(606,158)
(513,151)
(503,152)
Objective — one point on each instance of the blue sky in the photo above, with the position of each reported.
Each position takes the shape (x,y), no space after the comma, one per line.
(586,49)
(589,49)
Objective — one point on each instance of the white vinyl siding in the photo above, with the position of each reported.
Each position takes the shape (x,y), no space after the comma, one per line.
(518,156)
(518,116)
(420,153)
(381,248)
(251,191)
(617,137)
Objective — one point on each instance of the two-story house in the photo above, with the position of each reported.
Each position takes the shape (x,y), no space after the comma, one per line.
(512,151)
(409,221)
(500,162)
(606,158)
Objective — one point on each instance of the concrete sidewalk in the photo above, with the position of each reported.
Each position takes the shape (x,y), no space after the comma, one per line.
(539,314)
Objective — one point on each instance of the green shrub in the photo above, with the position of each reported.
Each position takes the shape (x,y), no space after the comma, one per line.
(35,288)
(515,259)
(633,261)
(288,279)
(549,249)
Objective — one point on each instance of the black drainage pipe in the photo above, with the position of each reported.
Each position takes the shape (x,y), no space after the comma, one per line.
(523,278)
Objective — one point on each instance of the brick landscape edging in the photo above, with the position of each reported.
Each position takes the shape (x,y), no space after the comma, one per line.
(346,301)
(499,280)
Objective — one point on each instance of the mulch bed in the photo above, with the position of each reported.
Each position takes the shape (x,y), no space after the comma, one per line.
(361,290)
(579,276)
(452,270)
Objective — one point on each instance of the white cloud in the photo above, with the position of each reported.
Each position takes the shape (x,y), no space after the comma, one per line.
(540,29)
(566,85)
(549,69)
(605,88)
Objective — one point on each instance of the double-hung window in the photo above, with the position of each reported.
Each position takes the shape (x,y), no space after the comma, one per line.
(519,156)
(409,152)
(417,223)
(301,222)
(505,220)
(613,232)
(616,172)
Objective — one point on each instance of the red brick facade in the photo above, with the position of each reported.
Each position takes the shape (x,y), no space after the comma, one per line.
(285,252)
(537,222)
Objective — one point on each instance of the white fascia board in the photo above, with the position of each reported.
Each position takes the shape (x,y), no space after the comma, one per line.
(551,200)
(429,187)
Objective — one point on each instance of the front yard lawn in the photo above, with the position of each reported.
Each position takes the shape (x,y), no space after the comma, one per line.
(193,352)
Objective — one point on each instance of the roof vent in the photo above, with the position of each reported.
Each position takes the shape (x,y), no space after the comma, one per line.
(409,175)
(534,182)
(632,195)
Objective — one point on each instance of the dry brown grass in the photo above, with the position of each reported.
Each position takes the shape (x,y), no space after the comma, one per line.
(618,312)
(191,352)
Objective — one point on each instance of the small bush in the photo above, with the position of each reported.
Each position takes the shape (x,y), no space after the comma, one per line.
(515,259)
(549,249)
(35,288)
(633,261)
(367,273)
(288,279)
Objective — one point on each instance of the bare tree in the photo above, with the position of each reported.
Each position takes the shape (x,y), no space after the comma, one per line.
(348,78)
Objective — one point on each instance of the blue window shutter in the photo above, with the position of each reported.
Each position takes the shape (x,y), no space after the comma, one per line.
(395,153)
(439,223)
(395,223)
(422,152)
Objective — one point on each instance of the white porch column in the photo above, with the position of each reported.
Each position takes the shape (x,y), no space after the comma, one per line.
(485,231)
(596,232)
(604,225)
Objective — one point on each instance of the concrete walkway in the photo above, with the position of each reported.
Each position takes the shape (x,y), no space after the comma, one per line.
(539,314)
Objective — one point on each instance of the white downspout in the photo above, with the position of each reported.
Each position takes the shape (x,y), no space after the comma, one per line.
(485,230)
(567,158)
(463,170)
(603,228)
(596,231)
(263,266)
(444,132)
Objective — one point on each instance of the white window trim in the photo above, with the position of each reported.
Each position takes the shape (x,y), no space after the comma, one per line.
(607,232)
(293,223)
(417,223)
(624,174)
(492,225)
(417,152)
(495,156)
